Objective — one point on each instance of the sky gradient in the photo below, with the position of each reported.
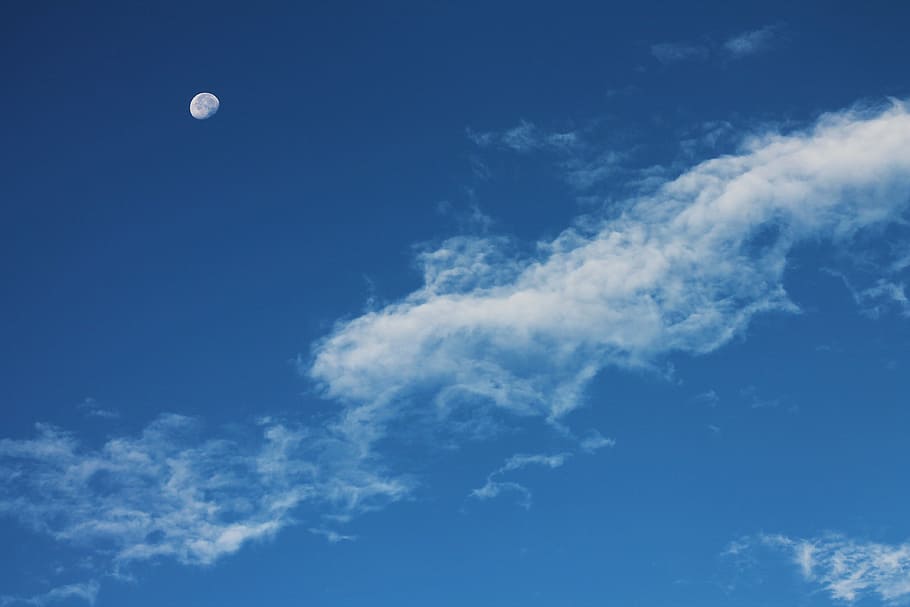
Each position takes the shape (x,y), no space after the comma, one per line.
(455,304)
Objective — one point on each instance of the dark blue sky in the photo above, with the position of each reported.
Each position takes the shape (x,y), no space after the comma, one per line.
(400,380)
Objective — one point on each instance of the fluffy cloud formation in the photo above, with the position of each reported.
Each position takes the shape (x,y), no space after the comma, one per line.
(683,269)
(847,569)
(169,493)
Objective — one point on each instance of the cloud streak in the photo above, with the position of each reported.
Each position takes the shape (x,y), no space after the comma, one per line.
(495,487)
(526,137)
(681,270)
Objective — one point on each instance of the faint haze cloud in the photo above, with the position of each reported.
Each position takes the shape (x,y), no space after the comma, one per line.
(90,408)
(744,44)
(332,536)
(525,137)
(755,401)
(583,165)
(753,42)
(595,441)
(709,398)
(674,52)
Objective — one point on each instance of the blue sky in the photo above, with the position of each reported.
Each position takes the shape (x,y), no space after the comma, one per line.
(451,303)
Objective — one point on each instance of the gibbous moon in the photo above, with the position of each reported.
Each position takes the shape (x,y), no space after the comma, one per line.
(204,105)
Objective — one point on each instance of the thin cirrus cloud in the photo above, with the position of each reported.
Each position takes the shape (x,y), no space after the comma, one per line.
(845,568)
(745,44)
(583,167)
(495,486)
(681,270)
(169,493)
(753,42)
(676,52)
(526,137)
(332,536)
(85,591)
(884,295)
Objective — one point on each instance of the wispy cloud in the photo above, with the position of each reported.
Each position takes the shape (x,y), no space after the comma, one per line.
(847,569)
(90,408)
(526,137)
(742,45)
(169,493)
(332,536)
(751,396)
(887,292)
(752,42)
(87,591)
(582,167)
(677,52)
(683,269)
(595,441)
(495,487)
(709,398)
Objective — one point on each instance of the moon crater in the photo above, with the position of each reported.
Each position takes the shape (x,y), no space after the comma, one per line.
(204,105)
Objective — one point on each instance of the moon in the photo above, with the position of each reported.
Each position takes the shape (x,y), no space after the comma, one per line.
(204,105)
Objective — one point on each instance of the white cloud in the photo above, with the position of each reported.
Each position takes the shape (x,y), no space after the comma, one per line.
(89,406)
(519,461)
(751,396)
(170,493)
(846,568)
(595,441)
(582,167)
(526,137)
(885,293)
(495,487)
(87,592)
(752,42)
(709,398)
(742,45)
(681,270)
(333,537)
(490,332)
